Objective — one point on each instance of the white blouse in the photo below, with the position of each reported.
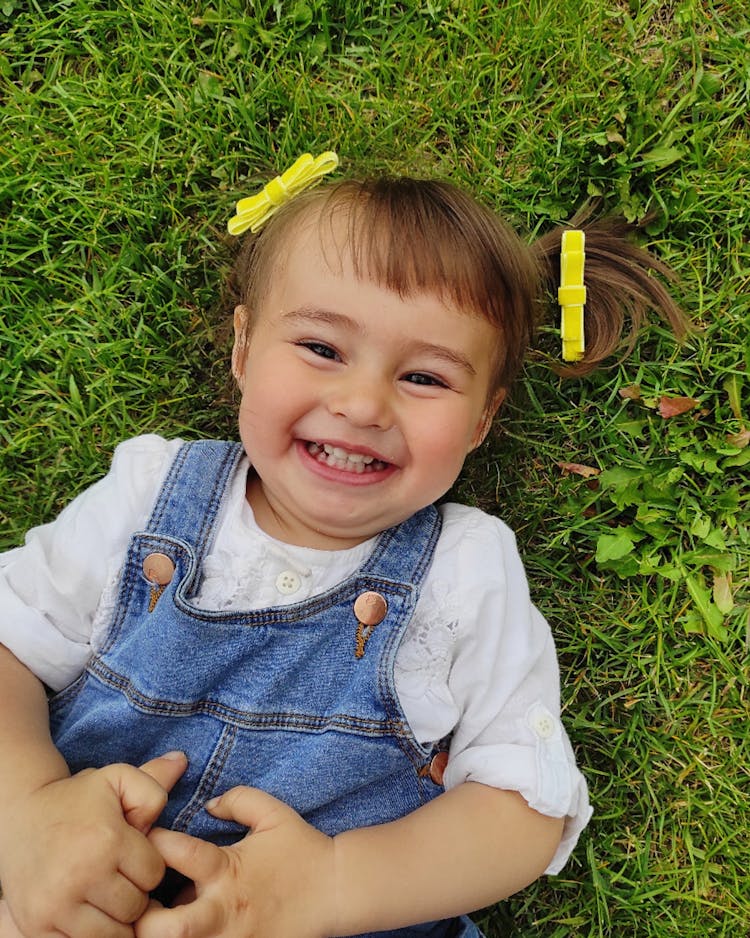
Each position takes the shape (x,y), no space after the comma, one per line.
(477,659)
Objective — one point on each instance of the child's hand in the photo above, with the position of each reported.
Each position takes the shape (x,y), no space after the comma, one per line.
(277,881)
(82,865)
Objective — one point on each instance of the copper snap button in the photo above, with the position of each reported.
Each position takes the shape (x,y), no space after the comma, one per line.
(370,608)
(158,569)
(438,766)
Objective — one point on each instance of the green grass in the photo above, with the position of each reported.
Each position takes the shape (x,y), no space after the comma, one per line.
(127,130)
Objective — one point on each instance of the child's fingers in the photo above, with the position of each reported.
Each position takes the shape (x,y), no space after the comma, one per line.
(200,919)
(141,792)
(8,928)
(166,769)
(252,807)
(119,898)
(86,919)
(197,859)
(140,861)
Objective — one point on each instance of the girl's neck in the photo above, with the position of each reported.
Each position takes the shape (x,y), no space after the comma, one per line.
(274,521)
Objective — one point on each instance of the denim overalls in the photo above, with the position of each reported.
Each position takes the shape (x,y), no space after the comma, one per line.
(296,700)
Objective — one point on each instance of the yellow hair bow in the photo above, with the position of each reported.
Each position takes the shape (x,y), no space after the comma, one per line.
(571,295)
(255,210)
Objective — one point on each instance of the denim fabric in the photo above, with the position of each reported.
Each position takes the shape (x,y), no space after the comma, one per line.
(273,698)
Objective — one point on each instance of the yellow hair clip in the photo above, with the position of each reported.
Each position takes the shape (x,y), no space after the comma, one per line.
(255,210)
(571,295)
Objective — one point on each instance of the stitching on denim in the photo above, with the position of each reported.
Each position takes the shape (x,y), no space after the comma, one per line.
(213,460)
(67,695)
(127,579)
(342,594)
(412,749)
(207,782)
(231,454)
(168,485)
(273,720)
(428,551)
(130,571)
(132,574)
(407,743)
(417,536)
(144,543)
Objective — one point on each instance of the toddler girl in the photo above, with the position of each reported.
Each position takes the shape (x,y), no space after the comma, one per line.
(293,613)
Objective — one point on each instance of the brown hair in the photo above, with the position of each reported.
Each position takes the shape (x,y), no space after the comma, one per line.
(412,235)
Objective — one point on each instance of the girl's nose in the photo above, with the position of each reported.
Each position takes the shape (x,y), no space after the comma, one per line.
(364,402)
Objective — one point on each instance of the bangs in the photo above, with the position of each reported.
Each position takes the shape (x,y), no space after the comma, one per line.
(415,236)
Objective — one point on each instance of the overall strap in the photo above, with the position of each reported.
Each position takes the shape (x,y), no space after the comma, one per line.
(404,553)
(192,491)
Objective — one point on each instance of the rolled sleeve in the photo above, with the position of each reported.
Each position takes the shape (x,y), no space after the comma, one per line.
(544,773)
(505,680)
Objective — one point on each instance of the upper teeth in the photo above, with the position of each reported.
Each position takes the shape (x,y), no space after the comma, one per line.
(338,453)
(340,458)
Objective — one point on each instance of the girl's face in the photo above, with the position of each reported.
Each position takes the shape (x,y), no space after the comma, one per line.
(358,405)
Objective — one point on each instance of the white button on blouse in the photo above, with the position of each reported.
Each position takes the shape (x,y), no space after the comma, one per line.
(288,582)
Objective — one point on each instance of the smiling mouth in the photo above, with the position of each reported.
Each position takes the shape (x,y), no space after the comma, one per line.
(338,458)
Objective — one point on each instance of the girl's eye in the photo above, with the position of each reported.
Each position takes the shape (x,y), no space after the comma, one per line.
(424,380)
(321,349)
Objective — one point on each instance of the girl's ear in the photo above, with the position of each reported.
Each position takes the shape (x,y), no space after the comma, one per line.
(239,349)
(488,415)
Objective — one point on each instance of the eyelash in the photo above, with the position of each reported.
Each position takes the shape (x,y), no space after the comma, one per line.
(327,352)
(425,381)
(321,349)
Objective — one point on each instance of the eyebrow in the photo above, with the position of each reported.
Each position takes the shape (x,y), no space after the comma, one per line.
(327,317)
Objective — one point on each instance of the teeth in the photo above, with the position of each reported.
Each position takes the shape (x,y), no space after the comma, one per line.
(340,458)
(338,453)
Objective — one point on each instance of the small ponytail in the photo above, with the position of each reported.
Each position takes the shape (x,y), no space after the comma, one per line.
(620,288)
